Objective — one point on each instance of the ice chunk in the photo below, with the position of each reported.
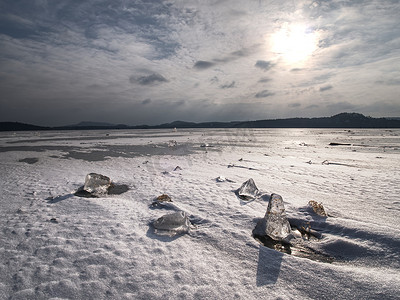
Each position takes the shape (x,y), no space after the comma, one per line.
(220,179)
(318,208)
(172,224)
(248,190)
(275,223)
(97,184)
(164,198)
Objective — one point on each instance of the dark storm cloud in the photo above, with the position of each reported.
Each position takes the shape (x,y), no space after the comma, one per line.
(228,85)
(202,65)
(146,101)
(325,88)
(264,65)
(264,94)
(152,79)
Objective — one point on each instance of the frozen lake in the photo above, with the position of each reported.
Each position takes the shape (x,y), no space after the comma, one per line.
(56,244)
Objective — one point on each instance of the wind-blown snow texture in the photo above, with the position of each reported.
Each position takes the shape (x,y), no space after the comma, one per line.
(56,244)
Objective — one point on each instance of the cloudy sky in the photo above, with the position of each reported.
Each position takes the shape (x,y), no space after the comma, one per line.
(149,62)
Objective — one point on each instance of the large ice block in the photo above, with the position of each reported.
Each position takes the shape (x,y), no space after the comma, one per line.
(172,224)
(275,223)
(97,184)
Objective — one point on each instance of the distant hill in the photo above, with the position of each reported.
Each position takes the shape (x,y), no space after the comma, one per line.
(16,126)
(91,124)
(86,125)
(342,120)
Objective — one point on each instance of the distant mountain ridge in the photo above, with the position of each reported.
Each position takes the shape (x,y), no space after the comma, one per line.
(342,120)
(89,123)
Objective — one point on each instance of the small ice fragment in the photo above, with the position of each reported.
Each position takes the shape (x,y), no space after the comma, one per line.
(248,190)
(162,201)
(97,184)
(221,179)
(275,223)
(164,198)
(172,224)
(318,208)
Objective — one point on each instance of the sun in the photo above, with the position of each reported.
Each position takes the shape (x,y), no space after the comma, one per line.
(294,43)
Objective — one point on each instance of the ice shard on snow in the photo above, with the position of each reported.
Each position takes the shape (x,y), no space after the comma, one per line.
(275,223)
(97,184)
(172,224)
(248,190)
(318,208)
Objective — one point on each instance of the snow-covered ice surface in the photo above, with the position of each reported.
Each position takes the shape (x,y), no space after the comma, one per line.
(54,244)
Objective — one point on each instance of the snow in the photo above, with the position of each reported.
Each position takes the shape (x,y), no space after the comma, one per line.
(55,244)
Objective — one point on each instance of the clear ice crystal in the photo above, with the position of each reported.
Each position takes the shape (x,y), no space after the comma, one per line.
(172,224)
(248,190)
(277,224)
(97,184)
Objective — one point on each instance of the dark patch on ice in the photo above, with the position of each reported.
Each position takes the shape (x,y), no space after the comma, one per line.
(163,205)
(298,250)
(105,152)
(114,189)
(327,162)
(118,189)
(265,197)
(242,167)
(94,155)
(82,193)
(276,245)
(339,144)
(59,198)
(95,138)
(29,160)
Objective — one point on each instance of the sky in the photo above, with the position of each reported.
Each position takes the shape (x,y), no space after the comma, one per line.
(151,62)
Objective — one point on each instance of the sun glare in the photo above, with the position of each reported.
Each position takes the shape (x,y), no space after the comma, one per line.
(294,43)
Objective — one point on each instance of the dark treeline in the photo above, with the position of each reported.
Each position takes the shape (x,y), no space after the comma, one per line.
(343,120)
